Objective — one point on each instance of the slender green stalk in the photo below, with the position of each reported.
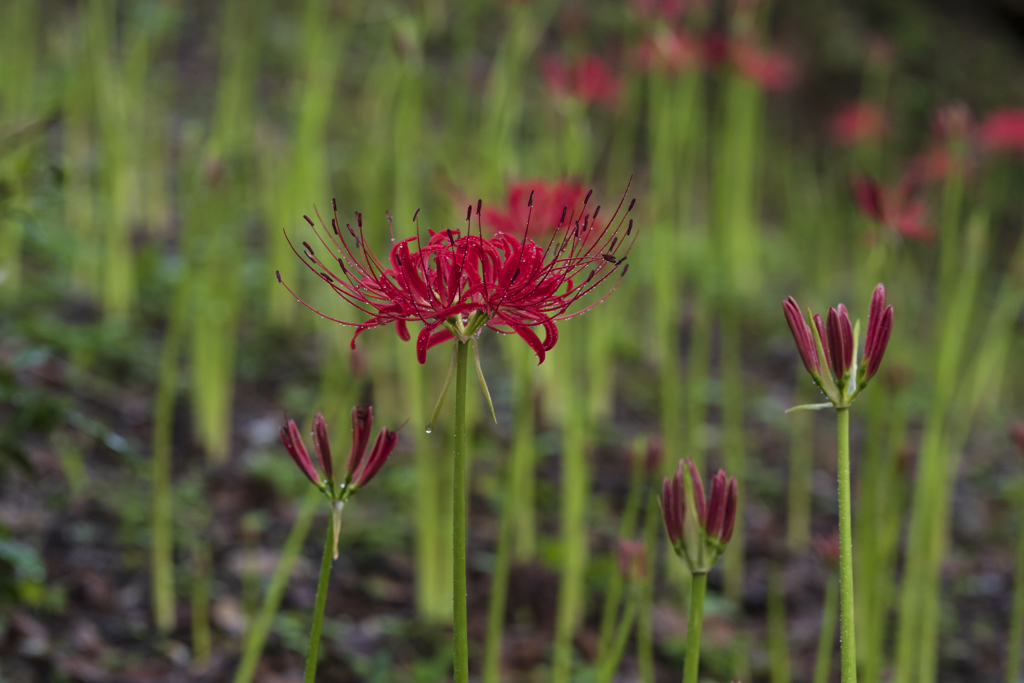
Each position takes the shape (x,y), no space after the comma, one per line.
(313,652)
(201,580)
(524,452)
(801,466)
(460,656)
(847,630)
(778,647)
(609,663)
(644,626)
(499,584)
(694,624)
(823,663)
(257,634)
(1013,650)
(733,441)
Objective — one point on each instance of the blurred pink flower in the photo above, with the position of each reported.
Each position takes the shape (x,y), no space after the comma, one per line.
(669,11)
(674,51)
(1003,130)
(771,69)
(858,122)
(589,80)
(897,207)
(549,201)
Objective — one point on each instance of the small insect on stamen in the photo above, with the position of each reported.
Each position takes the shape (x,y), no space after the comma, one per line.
(630,228)
(530,203)
(587,198)
(307,219)
(415,215)
(278,273)
(608,257)
(631,205)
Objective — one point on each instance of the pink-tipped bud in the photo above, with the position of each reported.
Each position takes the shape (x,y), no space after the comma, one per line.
(292,441)
(716,506)
(840,341)
(877,337)
(673,508)
(802,336)
(699,501)
(323,447)
(362,421)
(730,510)
(382,448)
(819,324)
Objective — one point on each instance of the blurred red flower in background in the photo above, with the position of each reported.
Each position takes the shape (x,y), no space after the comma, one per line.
(674,51)
(858,122)
(588,79)
(771,69)
(1003,131)
(549,200)
(897,207)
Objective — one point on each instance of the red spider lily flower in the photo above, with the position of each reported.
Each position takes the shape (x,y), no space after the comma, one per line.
(631,558)
(831,361)
(771,69)
(672,51)
(456,284)
(857,123)
(548,201)
(896,207)
(697,529)
(589,80)
(1003,131)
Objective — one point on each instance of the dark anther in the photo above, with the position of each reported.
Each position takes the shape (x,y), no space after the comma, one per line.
(327,277)
(586,219)
(564,210)
(587,198)
(614,240)
(398,259)
(415,215)
(278,273)
(469,211)
(576,230)
(343,269)
(597,211)
(630,228)
(334,224)
(591,276)
(625,270)
(359,219)
(619,262)
(334,203)
(530,203)
(451,240)
(479,205)
(608,257)
(306,245)
(514,276)
(307,220)
(631,205)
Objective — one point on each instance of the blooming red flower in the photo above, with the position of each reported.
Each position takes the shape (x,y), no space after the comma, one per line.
(1003,130)
(549,199)
(897,207)
(857,123)
(589,79)
(828,350)
(455,284)
(698,528)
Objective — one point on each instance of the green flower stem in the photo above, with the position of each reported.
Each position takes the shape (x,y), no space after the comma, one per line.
(499,585)
(609,663)
(257,634)
(1017,619)
(461,654)
(847,639)
(823,663)
(698,586)
(312,654)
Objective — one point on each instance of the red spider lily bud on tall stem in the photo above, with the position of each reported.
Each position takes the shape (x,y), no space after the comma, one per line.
(323,446)
(292,441)
(698,529)
(840,343)
(877,337)
(382,448)
(801,335)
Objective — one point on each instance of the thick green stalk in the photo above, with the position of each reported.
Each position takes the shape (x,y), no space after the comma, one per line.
(823,663)
(1013,650)
(694,624)
(847,630)
(460,656)
(257,634)
(313,652)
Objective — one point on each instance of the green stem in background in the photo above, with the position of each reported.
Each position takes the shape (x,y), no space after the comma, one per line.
(461,634)
(698,586)
(1013,650)
(524,453)
(801,470)
(645,620)
(313,652)
(847,629)
(829,611)
(162,557)
(499,584)
(733,441)
(608,664)
(778,646)
(256,636)
(202,577)
(699,359)
(575,484)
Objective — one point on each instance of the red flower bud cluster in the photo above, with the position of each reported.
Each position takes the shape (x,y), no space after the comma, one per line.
(698,528)
(832,344)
